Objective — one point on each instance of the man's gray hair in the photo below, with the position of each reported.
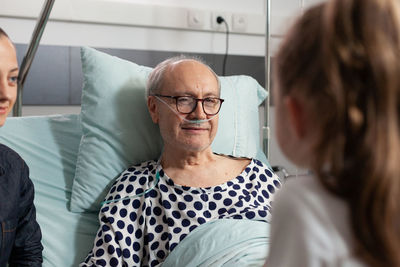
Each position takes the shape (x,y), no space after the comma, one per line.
(156,77)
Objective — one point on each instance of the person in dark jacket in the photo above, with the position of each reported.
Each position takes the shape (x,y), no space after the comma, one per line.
(20,235)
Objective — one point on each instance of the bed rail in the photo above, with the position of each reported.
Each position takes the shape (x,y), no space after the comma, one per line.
(30,54)
(266,127)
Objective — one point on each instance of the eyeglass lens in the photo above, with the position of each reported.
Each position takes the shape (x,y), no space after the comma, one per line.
(188,104)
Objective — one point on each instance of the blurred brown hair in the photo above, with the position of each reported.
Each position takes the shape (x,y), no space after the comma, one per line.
(343,56)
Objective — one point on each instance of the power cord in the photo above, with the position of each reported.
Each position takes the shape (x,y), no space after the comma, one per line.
(219,21)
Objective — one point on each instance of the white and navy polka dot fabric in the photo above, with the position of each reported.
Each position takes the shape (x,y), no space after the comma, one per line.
(142,231)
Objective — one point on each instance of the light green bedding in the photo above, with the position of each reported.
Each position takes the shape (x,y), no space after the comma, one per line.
(223,243)
(49,145)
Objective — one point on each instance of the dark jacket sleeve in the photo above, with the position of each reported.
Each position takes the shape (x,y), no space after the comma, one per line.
(27,250)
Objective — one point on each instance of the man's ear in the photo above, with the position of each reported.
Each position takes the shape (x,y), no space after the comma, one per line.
(153,108)
(296,112)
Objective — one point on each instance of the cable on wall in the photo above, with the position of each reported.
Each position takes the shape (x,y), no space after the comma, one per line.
(219,21)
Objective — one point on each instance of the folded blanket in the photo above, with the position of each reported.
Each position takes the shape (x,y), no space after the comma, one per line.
(225,242)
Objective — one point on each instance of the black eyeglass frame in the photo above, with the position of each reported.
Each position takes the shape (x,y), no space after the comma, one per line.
(195,106)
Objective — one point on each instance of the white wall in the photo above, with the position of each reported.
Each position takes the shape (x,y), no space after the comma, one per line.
(151,24)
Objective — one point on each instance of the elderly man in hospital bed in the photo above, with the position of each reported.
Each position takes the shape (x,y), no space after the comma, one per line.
(153,209)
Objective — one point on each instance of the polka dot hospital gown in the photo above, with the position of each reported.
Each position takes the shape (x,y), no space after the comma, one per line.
(143,230)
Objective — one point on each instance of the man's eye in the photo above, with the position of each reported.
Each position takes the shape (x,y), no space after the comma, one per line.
(211,101)
(185,100)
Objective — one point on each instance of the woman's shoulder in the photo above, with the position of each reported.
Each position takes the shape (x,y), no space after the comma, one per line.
(9,154)
(11,161)
(14,173)
(307,200)
(299,191)
(312,221)
(308,189)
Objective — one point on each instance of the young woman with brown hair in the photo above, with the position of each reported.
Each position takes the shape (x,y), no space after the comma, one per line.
(338,114)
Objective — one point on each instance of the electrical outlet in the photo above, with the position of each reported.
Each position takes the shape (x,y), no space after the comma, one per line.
(239,22)
(214,23)
(196,19)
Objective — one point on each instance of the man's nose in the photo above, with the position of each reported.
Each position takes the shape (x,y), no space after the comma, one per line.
(199,111)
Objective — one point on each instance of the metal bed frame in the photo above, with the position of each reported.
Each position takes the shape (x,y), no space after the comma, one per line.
(266,128)
(266,131)
(30,54)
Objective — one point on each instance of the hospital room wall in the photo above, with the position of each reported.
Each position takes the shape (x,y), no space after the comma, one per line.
(84,22)
(66,29)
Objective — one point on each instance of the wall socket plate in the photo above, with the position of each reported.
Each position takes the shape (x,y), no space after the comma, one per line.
(196,19)
(239,22)
(214,24)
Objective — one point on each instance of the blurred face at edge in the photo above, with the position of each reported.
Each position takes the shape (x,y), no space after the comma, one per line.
(8,77)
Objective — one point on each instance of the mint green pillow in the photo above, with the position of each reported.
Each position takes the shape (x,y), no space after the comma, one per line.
(118,131)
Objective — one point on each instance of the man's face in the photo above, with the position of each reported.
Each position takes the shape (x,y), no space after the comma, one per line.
(186,78)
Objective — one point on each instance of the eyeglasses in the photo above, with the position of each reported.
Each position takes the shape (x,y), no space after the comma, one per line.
(187,104)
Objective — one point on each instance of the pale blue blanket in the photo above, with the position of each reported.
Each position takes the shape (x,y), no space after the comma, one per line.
(225,242)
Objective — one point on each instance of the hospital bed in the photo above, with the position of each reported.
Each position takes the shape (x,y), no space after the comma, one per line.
(73,158)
